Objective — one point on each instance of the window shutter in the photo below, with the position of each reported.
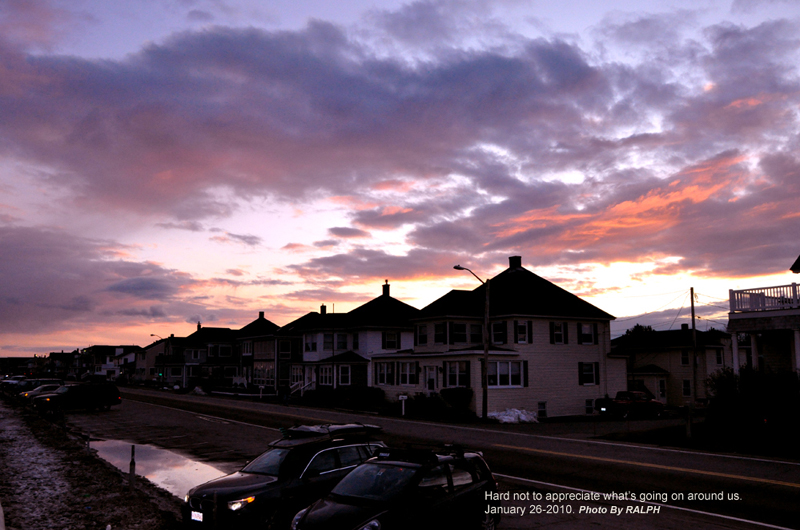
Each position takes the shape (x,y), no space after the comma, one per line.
(594,329)
(565,332)
(516,332)
(580,369)
(597,373)
(580,332)
(524,373)
(505,332)
(389,373)
(374,374)
(450,333)
(552,332)
(469,380)
(416,372)
(416,335)
(530,332)
(444,372)
(383,340)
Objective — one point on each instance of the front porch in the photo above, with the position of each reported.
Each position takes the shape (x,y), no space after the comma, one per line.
(771,318)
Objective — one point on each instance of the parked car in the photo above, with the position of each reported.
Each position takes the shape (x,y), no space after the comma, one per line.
(295,471)
(402,489)
(8,384)
(628,404)
(29,384)
(79,396)
(27,396)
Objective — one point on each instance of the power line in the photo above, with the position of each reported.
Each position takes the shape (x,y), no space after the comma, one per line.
(679,312)
(655,310)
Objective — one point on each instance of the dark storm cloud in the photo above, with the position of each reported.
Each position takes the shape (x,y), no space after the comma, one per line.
(51,278)
(684,151)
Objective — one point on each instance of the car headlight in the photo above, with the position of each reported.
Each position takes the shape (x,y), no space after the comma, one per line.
(186,498)
(372,525)
(235,505)
(297,518)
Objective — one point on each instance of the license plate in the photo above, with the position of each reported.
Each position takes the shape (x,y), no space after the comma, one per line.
(197,516)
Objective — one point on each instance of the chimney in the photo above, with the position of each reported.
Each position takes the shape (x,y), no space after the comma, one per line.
(198,326)
(172,335)
(685,327)
(322,309)
(515,262)
(261,315)
(386,288)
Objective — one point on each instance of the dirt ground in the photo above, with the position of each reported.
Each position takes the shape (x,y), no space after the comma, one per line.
(50,481)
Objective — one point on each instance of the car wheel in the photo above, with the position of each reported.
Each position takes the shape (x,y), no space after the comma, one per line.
(488,522)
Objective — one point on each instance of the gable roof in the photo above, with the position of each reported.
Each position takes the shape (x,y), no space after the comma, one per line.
(795,268)
(258,328)
(661,340)
(515,291)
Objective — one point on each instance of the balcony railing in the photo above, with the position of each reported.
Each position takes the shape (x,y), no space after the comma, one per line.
(765,298)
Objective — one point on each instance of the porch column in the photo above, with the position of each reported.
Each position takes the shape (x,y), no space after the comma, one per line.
(754,350)
(735,351)
(796,350)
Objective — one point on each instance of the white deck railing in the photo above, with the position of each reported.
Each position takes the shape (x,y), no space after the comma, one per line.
(765,298)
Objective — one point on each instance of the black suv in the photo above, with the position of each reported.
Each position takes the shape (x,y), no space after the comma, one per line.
(401,489)
(298,469)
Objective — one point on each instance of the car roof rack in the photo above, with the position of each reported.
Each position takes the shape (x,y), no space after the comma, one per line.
(420,453)
(327,431)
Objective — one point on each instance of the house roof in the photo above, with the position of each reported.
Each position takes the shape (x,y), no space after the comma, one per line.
(515,291)
(348,357)
(649,369)
(210,335)
(661,340)
(795,268)
(258,328)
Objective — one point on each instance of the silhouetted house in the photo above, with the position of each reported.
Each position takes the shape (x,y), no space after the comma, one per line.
(257,345)
(662,363)
(768,318)
(549,349)
(337,347)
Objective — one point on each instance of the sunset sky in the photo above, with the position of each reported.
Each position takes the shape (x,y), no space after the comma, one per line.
(164,162)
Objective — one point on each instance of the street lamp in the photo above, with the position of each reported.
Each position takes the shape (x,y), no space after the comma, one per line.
(486,332)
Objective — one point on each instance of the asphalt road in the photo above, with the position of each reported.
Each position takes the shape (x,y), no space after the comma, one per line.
(529,460)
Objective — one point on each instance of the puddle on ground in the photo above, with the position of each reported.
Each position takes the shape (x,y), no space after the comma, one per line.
(173,472)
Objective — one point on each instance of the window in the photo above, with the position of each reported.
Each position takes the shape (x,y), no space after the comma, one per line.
(459,333)
(589,406)
(685,357)
(558,333)
(456,373)
(541,410)
(505,373)
(322,463)
(297,374)
(355,341)
(499,335)
(476,333)
(390,340)
(195,354)
(588,373)
(247,348)
(225,351)
(662,388)
(341,341)
(194,371)
(325,375)
(152,371)
(142,356)
(587,333)
(344,374)
(422,334)
(285,349)
(327,341)
(439,333)
(311,343)
(521,331)
(407,373)
(349,456)
(719,356)
(687,387)
(384,373)
(175,371)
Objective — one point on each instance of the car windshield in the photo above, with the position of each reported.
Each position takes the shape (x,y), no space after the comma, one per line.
(62,389)
(268,463)
(376,482)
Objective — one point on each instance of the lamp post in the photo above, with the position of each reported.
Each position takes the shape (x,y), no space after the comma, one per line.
(486,332)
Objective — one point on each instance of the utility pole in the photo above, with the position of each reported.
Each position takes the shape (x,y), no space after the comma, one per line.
(690,409)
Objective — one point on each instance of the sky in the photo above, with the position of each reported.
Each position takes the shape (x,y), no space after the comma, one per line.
(169,162)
